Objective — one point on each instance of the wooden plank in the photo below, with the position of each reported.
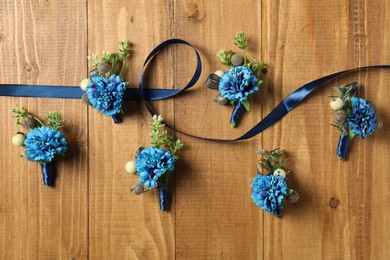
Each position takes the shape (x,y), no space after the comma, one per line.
(91,212)
(43,43)
(122,225)
(371,186)
(214,216)
(300,50)
(327,37)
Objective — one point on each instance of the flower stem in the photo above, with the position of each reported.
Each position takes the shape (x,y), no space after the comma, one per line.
(47,174)
(343,145)
(123,67)
(163,195)
(116,118)
(237,111)
(39,121)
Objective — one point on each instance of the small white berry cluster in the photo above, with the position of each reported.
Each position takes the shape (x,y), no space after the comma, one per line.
(336,103)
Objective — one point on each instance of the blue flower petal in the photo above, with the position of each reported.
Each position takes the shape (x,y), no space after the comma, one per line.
(363,120)
(238,83)
(268,192)
(152,163)
(106,94)
(43,143)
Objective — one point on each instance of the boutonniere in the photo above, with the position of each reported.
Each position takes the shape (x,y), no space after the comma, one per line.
(269,190)
(237,83)
(42,141)
(353,117)
(104,89)
(155,164)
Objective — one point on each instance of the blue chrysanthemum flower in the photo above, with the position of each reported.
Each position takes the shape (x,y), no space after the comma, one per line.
(363,120)
(238,83)
(43,143)
(106,94)
(151,163)
(268,192)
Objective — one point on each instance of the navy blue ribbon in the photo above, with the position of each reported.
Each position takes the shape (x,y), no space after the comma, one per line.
(47,174)
(281,110)
(163,195)
(343,145)
(75,92)
(236,114)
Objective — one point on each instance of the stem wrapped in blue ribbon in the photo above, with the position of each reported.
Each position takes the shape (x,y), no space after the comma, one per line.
(343,145)
(47,174)
(116,118)
(237,111)
(163,195)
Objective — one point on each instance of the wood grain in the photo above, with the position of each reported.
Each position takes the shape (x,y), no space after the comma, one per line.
(326,38)
(43,43)
(212,222)
(91,213)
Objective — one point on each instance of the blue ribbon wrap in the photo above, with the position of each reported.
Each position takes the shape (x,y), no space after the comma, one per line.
(116,118)
(342,147)
(48,174)
(163,195)
(236,114)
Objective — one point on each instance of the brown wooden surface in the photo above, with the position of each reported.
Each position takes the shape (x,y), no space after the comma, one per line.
(91,212)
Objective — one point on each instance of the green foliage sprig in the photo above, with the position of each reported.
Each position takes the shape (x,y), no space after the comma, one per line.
(54,120)
(257,67)
(346,92)
(94,59)
(117,60)
(160,136)
(274,159)
(19,114)
(225,57)
(241,42)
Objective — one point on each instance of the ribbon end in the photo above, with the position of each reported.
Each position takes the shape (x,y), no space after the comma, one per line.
(48,174)
(116,118)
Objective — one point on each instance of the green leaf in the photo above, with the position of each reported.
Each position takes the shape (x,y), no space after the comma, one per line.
(259,82)
(246,105)
(351,134)
(231,102)
(54,120)
(241,41)
(225,57)
(289,192)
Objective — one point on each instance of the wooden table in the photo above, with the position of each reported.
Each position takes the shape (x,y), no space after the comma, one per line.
(91,212)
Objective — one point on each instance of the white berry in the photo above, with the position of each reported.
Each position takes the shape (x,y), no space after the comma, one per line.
(280,172)
(84,83)
(219,73)
(18,140)
(130,167)
(336,103)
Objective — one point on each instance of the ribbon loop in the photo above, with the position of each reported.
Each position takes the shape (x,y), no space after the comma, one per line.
(281,110)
